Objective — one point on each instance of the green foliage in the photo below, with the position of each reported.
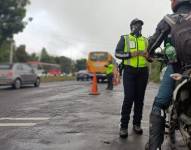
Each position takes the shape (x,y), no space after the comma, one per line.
(67,65)
(33,57)
(12,13)
(21,54)
(45,57)
(4,52)
(57,78)
(81,64)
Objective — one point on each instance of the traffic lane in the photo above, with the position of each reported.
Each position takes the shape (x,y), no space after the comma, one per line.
(28,99)
(32,102)
(77,120)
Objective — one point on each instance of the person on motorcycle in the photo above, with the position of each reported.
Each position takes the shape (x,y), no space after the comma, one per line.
(163,98)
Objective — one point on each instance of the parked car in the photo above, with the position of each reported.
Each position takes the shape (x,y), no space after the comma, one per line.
(18,74)
(83,75)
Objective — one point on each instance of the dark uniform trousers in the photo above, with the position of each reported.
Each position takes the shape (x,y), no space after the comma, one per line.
(134,82)
(110,81)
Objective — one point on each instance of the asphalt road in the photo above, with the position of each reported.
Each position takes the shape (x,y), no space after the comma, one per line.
(63,116)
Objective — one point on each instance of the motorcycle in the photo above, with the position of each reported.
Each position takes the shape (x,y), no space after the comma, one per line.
(180,110)
(178,115)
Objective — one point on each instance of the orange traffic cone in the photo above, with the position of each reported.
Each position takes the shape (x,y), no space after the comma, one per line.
(94,89)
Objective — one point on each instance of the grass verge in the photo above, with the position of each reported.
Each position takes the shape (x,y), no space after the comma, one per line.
(56,78)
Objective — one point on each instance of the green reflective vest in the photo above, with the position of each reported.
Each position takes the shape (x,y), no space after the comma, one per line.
(133,44)
(109,69)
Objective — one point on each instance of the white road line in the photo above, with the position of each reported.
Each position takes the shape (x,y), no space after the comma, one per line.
(25,119)
(146,121)
(17,124)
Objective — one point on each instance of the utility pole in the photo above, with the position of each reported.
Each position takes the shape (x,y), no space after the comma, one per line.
(12,46)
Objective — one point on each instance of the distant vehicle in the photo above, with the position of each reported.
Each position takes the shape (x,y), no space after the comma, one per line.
(83,75)
(18,74)
(54,72)
(96,64)
(42,68)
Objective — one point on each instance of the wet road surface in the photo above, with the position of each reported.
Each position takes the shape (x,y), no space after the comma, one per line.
(63,116)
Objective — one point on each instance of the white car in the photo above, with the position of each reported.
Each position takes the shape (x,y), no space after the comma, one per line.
(18,74)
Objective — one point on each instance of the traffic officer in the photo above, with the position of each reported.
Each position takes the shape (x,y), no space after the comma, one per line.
(132,49)
(109,73)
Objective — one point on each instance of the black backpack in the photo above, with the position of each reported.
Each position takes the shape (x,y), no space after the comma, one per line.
(181,36)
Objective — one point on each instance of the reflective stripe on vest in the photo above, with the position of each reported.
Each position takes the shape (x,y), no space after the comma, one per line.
(133,44)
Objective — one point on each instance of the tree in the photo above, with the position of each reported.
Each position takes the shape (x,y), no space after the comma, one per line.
(12,13)
(4,52)
(81,64)
(33,57)
(44,56)
(65,63)
(21,54)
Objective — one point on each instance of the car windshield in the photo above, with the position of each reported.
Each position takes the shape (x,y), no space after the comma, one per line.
(5,66)
(82,71)
(98,56)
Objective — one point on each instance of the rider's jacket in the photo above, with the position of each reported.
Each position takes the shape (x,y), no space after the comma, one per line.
(162,33)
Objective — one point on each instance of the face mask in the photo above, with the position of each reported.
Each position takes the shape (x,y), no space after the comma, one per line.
(136,29)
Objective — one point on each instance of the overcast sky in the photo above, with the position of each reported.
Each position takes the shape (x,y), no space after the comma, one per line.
(74,27)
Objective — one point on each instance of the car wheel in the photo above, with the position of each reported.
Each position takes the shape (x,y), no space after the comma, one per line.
(37,83)
(17,84)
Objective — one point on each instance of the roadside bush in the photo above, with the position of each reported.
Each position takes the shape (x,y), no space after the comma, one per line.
(56,78)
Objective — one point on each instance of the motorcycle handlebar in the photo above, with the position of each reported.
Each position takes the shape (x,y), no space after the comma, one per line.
(159,57)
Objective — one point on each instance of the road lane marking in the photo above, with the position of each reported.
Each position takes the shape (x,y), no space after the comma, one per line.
(25,119)
(17,124)
(12,124)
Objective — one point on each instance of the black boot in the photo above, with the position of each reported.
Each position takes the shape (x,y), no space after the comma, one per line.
(138,130)
(123,133)
(156,132)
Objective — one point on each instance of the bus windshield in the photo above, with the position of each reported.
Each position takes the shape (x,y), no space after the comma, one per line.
(99,56)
